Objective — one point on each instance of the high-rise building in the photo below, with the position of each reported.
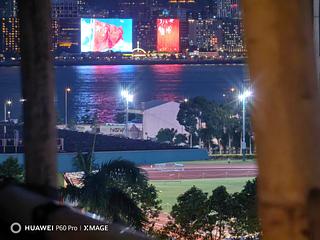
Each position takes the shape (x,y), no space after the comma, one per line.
(184,35)
(180,8)
(8,8)
(66,8)
(228,9)
(139,10)
(204,35)
(66,25)
(232,36)
(210,9)
(68,35)
(146,34)
(9,35)
(144,14)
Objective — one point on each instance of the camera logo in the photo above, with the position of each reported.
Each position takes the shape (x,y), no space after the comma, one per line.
(15,228)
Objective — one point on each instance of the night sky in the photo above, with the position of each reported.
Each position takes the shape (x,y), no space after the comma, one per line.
(113,4)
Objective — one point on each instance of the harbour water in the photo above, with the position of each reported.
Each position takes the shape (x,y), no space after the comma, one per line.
(96,89)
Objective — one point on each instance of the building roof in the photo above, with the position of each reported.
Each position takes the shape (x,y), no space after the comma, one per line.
(151,104)
(148,105)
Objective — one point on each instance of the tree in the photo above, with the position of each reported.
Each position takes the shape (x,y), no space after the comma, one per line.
(187,116)
(190,213)
(10,168)
(194,215)
(166,135)
(85,161)
(245,210)
(118,191)
(220,210)
(180,139)
(222,121)
(196,111)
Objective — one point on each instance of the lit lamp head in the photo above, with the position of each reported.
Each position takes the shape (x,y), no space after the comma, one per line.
(8,102)
(126,95)
(68,89)
(246,94)
(130,98)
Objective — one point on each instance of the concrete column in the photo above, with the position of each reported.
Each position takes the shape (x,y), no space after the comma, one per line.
(286,116)
(316,26)
(38,88)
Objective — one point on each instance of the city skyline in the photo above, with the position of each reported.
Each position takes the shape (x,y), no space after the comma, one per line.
(205,26)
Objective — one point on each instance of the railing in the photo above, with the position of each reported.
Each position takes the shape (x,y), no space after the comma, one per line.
(14,145)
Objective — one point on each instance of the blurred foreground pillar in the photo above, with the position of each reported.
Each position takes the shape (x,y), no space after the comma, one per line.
(38,89)
(279,36)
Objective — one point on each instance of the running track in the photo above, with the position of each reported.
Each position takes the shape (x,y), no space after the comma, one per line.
(199,171)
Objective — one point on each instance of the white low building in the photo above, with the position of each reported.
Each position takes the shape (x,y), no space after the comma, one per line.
(159,114)
(110,129)
(155,115)
(115,129)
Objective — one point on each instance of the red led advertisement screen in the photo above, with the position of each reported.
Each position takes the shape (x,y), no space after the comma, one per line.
(168,35)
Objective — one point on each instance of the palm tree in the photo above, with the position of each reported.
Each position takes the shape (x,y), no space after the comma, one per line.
(109,193)
(85,161)
(118,191)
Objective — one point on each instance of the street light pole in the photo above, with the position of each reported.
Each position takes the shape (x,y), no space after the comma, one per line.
(244,144)
(127,116)
(128,97)
(243,97)
(7,102)
(5,111)
(5,120)
(67,90)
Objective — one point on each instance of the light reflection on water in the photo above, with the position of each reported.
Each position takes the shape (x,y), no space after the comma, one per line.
(168,80)
(96,89)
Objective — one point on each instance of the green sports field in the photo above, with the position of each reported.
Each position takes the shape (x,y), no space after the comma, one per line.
(170,190)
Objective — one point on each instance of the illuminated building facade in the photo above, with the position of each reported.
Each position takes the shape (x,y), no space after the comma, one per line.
(8,8)
(10,39)
(232,35)
(204,35)
(144,14)
(184,35)
(228,8)
(9,35)
(68,35)
(168,35)
(146,34)
(66,25)
(67,8)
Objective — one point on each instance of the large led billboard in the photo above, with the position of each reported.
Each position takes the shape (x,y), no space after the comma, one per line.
(168,37)
(105,34)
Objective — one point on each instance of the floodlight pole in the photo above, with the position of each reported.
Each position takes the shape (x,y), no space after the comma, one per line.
(5,120)
(243,143)
(127,116)
(66,91)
